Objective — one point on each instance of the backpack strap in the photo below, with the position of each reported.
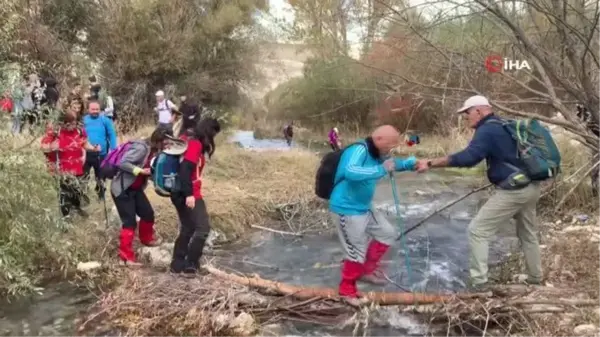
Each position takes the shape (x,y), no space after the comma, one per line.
(347,147)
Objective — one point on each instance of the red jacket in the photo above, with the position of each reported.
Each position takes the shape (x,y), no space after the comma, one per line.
(6,105)
(71,154)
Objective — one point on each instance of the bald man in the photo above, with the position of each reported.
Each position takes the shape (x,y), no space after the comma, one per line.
(365,233)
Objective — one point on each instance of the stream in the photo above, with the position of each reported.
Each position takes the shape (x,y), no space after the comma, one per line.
(437,254)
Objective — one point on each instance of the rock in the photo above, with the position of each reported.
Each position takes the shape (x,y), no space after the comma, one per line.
(520,278)
(575,228)
(595,238)
(88,266)
(158,256)
(275,329)
(215,237)
(585,329)
(597,312)
(243,325)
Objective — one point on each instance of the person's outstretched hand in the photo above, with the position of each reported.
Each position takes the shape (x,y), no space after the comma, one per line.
(422,166)
(389,165)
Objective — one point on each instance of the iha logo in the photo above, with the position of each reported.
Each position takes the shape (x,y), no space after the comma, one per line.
(496,64)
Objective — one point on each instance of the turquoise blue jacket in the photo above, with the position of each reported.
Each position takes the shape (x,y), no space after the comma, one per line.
(356,179)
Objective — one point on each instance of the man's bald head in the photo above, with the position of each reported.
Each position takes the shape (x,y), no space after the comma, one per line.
(385,138)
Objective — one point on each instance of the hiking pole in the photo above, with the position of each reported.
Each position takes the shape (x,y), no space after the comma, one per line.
(103,195)
(400,224)
(452,203)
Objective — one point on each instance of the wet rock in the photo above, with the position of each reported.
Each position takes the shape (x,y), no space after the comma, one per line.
(243,325)
(585,329)
(215,237)
(251,298)
(157,256)
(88,266)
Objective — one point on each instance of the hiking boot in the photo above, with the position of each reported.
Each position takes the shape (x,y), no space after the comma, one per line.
(355,301)
(533,282)
(374,279)
(130,264)
(480,287)
(153,243)
(375,252)
(146,234)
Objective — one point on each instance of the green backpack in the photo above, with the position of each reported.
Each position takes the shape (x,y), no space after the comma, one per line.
(535,147)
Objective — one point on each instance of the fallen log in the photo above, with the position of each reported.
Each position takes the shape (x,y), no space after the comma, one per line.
(304,293)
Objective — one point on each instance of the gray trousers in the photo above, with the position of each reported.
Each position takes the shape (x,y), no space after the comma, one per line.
(356,231)
(497,212)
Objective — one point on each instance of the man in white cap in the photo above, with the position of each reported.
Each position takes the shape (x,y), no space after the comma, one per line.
(516,195)
(165,109)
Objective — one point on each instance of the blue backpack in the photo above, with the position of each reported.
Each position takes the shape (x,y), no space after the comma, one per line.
(165,171)
(535,147)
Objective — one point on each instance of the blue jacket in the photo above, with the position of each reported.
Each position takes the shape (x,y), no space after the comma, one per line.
(493,143)
(356,177)
(100,131)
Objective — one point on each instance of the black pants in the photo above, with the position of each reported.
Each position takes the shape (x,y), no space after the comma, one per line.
(334,147)
(194,230)
(131,203)
(70,194)
(92,161)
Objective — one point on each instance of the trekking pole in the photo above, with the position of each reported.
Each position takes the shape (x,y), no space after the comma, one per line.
(401,225)
(103,191)
(452,203)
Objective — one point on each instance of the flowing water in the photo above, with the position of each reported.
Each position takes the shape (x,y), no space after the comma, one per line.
(434,257)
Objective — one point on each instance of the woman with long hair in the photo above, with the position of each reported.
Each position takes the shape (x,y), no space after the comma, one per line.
(127,189)
(189,203)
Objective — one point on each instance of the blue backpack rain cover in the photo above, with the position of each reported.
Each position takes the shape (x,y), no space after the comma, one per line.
(165,168)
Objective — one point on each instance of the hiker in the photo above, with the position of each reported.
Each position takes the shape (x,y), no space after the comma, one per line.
(288,133)
(76,106)
(32,97)
(76,93)
(364,232)
(100,95)
(51,93)
(515,195)
(412,139)
(127,189)
(165,110)
(6,103)
(23,105)
(101,132)
(190,115)
(334,139)
(64,144)
(189,203)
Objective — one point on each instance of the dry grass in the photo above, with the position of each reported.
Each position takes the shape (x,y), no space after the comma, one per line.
(243,188)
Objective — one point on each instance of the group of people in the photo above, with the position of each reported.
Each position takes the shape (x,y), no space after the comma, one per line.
(85,135)
(366,234)
(29,101)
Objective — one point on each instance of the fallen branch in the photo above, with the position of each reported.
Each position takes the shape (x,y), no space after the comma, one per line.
(568,194)
(276,231)
(305,293)
(452,203)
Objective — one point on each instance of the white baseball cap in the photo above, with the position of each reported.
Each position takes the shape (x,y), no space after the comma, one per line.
(474,101)
(160,93)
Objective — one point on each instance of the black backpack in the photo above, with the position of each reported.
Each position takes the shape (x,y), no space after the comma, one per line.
(325,180)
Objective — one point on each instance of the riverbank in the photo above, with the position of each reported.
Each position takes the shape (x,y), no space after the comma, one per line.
(271,189)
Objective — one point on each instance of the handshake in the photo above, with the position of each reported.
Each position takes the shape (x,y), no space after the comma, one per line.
(421,165)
